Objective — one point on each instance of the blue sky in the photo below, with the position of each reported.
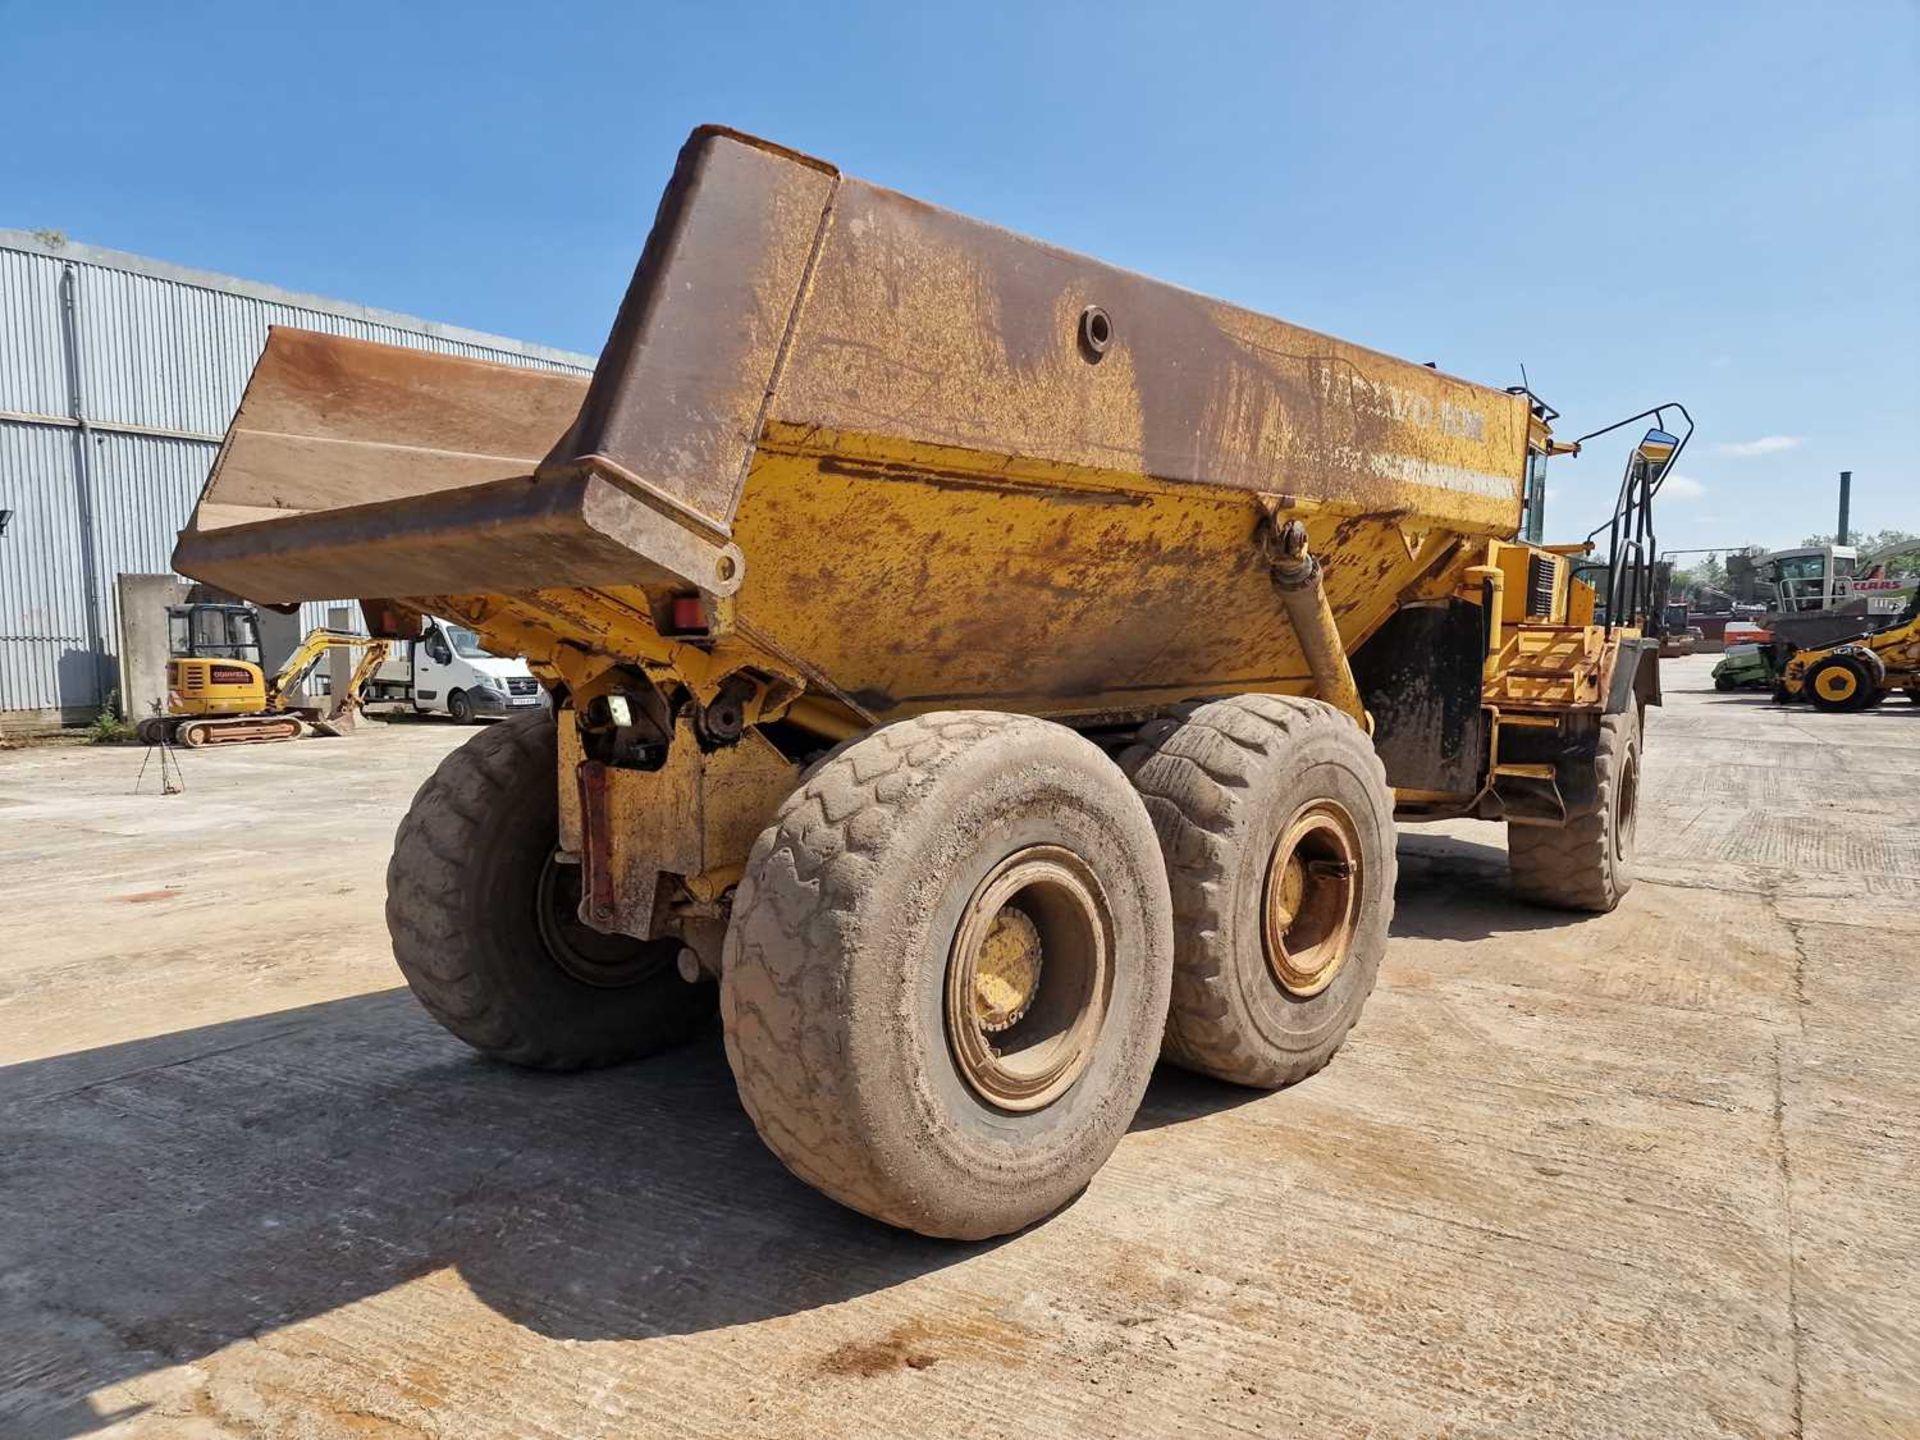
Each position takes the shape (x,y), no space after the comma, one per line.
(1718,203)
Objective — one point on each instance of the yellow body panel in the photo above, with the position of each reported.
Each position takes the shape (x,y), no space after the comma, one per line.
(200,686)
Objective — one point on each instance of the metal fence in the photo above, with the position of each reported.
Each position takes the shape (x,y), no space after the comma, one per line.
(118,376)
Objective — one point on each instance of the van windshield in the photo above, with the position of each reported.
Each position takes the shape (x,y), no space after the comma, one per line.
(467,644)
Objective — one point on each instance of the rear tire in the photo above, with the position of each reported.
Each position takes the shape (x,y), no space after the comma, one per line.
(1226,786)
(1586,864)
(483,929)
(852,994)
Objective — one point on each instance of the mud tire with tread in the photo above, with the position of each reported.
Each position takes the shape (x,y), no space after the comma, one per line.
(836,961)
(1586,864)
(1220,780)
(461,908)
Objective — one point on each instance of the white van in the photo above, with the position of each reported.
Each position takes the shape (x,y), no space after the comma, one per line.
(446,672)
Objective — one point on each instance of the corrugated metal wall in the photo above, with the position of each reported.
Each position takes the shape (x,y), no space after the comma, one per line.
(155,359)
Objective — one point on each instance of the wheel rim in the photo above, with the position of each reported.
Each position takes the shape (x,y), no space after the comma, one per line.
(1028,978)
(609,962)
(1836,683)
(1627,810)
(1311,906)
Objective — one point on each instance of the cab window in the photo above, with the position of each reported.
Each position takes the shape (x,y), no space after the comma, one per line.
(1533,501)
(466,643)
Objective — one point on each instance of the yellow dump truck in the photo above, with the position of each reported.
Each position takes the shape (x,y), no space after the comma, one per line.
(977,671)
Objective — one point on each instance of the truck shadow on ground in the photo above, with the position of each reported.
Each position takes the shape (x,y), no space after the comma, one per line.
(168,1197)
(1454,889)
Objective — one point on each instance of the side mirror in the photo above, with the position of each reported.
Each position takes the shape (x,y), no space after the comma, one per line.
(1655,449)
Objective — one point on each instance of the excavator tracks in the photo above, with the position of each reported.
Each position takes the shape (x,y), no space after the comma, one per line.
(205,731)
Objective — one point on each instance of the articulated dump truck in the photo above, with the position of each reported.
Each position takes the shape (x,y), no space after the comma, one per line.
(976,673)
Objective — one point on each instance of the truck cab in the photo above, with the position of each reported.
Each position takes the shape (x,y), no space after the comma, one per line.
(447,671)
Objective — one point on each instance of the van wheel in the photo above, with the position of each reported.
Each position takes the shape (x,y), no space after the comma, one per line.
(946,973)
(485,922)
(1276,824)
(460,707)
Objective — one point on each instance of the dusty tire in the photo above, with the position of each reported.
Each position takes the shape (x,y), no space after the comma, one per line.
(848,928)
(1586,864)
(471,872)
(1224,785)
(460,708)
(1724,683)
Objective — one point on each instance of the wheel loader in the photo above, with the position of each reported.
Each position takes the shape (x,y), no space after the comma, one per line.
(1858,671)
(977,672)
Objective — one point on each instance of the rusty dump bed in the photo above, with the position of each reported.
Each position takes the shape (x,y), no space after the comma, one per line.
(901,458)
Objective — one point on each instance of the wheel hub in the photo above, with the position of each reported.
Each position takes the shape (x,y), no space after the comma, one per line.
(1028,978)
(1312,902)
(1836,682)
(588,955)
(1007,973)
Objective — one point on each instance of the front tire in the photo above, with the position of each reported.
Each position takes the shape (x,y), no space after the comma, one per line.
(460,708)
(947,969)
(1588,863)
(1276,824)
(484,925)
(1838,685)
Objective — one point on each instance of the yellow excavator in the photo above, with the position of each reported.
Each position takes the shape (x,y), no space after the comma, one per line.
(218,692)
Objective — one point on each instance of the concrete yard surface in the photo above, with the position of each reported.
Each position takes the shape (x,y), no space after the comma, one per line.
(1646,1174)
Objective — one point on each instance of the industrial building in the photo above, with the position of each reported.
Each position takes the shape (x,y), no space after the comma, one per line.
(118,376)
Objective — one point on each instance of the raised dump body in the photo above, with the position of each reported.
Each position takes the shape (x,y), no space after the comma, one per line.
(825,400)
(848,460)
